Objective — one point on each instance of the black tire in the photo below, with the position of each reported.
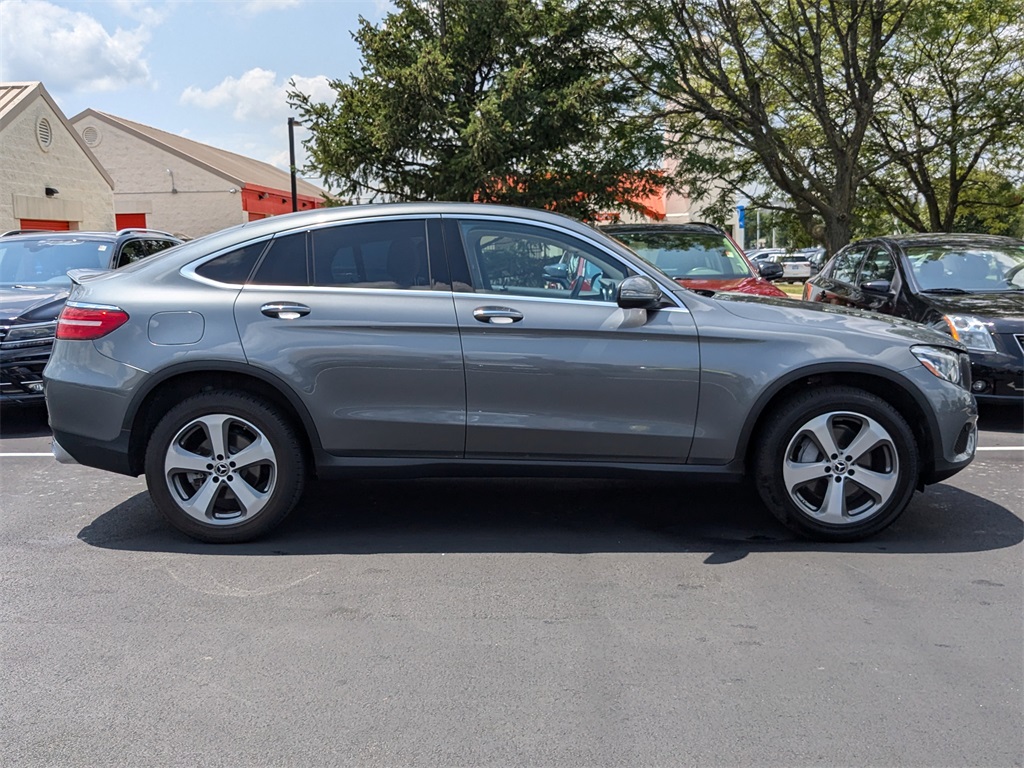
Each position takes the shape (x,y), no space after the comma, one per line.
(235,495)
(855,489)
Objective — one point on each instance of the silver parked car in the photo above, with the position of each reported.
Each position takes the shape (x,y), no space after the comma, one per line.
(429,338)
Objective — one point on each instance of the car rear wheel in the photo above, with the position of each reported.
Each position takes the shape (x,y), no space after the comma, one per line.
(224,467)
(836,464)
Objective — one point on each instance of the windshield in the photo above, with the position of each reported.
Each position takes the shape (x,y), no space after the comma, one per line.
(690,255)
(973,268)
(37,263)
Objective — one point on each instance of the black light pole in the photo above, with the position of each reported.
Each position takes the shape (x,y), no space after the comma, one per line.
(292,122)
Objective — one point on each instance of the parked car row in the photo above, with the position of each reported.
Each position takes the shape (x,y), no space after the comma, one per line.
(34,285)
(968,286)
(417,339)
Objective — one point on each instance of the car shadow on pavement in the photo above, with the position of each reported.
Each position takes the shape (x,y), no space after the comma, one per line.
(558,516)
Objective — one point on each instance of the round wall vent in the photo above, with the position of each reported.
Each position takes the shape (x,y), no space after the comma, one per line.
(44,133)
(91,136)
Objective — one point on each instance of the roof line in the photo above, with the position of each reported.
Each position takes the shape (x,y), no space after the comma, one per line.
(128,127)
(20,104)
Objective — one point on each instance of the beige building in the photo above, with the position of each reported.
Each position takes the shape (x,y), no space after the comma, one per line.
(177,185)
(49,178)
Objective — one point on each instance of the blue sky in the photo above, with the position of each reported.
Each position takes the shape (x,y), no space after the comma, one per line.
(215,71)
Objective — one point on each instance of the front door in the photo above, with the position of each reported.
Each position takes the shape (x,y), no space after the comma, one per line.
(555,370)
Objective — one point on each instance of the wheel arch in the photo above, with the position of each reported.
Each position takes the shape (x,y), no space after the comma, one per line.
(175,384)
(883,383)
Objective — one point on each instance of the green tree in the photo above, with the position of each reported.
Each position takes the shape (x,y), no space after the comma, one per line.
(510,101)
(778,95)
(950,114)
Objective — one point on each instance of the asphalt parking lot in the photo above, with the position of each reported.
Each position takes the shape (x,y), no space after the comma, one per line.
(508,623)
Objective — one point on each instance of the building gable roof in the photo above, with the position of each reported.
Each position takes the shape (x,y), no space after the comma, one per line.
(16,97)
(237,169)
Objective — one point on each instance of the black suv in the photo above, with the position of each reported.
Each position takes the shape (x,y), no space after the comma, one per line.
(34,285)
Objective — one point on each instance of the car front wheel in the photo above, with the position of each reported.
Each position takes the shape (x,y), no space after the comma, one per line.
(224,467)
(836,464)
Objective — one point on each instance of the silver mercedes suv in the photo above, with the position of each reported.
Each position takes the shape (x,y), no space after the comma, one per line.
(420,339)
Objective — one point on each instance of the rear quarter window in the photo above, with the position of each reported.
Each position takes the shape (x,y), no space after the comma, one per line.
(232,267)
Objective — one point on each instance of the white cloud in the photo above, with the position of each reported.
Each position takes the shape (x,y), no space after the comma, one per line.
(257,95)
(69,50)
(261,6)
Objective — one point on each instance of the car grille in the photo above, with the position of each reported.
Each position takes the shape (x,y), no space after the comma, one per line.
(1020,340)
(22,378)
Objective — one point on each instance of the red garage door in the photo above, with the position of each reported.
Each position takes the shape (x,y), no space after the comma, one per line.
(130,220)
(58,226)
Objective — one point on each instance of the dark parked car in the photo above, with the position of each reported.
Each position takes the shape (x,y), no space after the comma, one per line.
(699,256)
(34,285)
(968,286)
(421,339)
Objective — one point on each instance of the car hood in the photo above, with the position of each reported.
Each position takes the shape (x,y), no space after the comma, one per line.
(31,304)
(825,317)
(738,284)
(1005,305)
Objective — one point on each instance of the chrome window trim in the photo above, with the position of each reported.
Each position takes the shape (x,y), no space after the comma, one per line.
(424,291)
(511,298)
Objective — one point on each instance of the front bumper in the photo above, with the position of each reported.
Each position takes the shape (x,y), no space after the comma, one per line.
(999,376)
(21,375)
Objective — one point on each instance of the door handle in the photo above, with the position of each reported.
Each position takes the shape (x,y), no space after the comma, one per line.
(497,315)
(284,310)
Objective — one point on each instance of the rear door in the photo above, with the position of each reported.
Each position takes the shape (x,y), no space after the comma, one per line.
(555,370)
(359,320)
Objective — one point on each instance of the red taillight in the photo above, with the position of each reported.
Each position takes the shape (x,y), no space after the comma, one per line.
(87,323)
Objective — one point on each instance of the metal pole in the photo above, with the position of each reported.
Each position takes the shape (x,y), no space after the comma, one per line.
(291,159)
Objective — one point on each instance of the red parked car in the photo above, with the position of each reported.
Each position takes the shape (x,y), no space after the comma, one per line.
(699,257)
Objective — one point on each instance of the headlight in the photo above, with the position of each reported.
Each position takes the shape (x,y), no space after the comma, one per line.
(969,330)
(945,363)
(20,335)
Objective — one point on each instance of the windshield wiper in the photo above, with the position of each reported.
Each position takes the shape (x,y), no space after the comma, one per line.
(948,291)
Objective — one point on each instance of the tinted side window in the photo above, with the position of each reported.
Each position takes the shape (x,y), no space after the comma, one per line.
(532,261)
(155,246)
(878,266)
(131,251)
(233,267)
(846,265)
(379,254)
(284,262)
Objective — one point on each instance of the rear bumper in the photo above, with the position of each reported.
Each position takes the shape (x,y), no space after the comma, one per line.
(109,455)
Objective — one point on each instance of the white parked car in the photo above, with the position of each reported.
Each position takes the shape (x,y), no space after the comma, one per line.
(796,267)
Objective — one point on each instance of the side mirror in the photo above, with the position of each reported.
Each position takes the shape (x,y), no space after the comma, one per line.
(770,270)
(877,287)
(638,292)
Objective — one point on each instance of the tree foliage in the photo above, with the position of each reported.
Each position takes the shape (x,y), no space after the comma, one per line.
(824,107)
(950,115)
(510,101)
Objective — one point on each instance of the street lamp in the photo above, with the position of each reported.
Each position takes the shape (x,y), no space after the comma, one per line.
(292,122)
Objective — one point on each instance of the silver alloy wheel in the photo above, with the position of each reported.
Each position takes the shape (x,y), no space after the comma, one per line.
(220,469)
(841,468)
